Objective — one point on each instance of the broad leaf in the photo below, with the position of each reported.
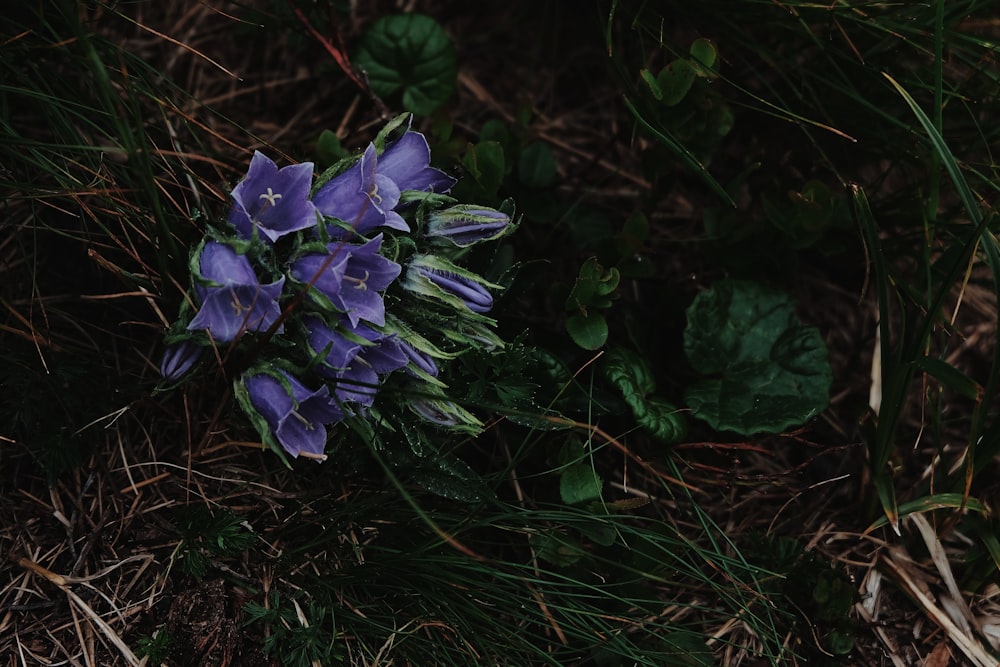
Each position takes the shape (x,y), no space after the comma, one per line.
(766,371)
(579,484)
(589,331)
(409,54)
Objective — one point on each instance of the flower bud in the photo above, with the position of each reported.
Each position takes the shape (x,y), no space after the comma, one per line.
(439,279)
(178,359)
(466,224)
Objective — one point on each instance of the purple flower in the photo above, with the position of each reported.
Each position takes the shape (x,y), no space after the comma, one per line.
(407,162)
(296,415)
(367,194)
(274,201)
(235,301)
(361,197)
(178,359)
(466,224)
(353,365)
(352,280)
(439,279)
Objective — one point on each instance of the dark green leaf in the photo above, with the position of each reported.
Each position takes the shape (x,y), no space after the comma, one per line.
(579,484)
(675,81)
(484,162)
(767,371)
(704,53)
(537,165)
(663,420)
(588,330)
(409,54)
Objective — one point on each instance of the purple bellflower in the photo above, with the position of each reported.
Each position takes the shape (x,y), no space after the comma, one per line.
(354,366)
(407,162)
(296,415)
(367,194)
(274,201)
(361,197)
(353,279)
(235,301)
(465,224)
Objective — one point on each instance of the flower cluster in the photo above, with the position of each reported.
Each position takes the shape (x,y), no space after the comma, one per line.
(300,276)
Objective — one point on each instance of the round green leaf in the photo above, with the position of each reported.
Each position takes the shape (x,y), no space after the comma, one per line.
(765,370)
(589,331)
(675,81)
(409,54)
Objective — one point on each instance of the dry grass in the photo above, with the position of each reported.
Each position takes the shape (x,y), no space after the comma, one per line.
(91,560)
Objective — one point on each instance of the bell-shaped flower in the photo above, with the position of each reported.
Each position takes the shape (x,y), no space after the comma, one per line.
(179,359)
(354,357)
(273,201)
(352,277)
(437,278)
(467,224)
(361,197)
(233,300)
(407,162)
(294,414)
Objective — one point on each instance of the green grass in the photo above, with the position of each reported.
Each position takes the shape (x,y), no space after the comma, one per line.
(109,170)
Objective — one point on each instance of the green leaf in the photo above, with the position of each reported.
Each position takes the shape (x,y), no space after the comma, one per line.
(650,80)
(484,162)
(675,81)
(588,330)
(537,165)
(950,376)
(766,370)
(328,149)
(704,53)
(579,483)
(629,373)
(662,419)
(409,54)
(632,376)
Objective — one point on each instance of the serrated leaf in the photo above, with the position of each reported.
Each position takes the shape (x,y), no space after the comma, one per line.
(589,331)
(629,373)
(450,478)
(579,483)
(675,81)
(662,419)
(767,370)
(409,54)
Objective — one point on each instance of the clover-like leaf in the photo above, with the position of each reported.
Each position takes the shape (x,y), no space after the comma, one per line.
(409,54)
(766,371)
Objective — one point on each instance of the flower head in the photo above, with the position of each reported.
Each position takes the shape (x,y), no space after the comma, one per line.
(407,162)
(274,201)
(296,415)
(361,197)
(234,301)
(357,362)
(352,280)
(466,224)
